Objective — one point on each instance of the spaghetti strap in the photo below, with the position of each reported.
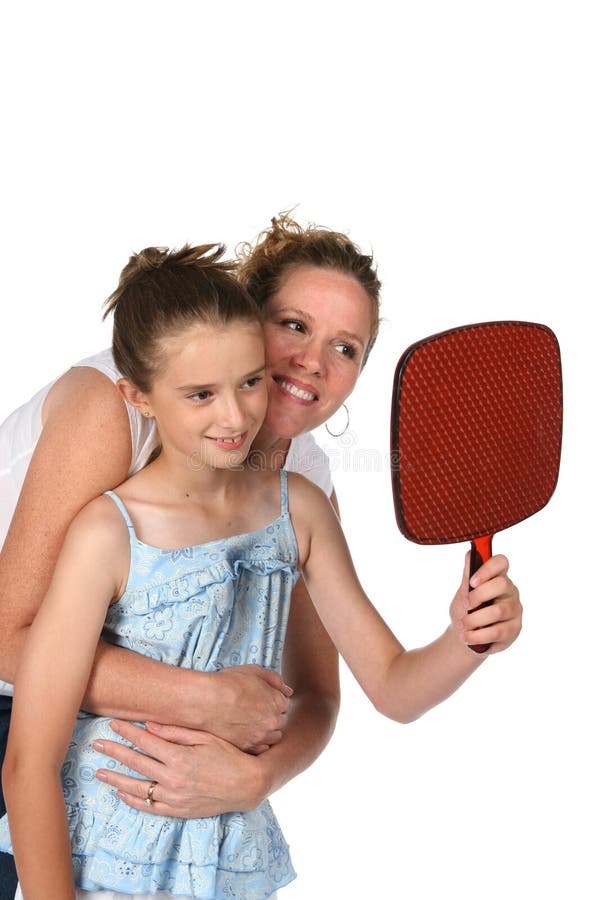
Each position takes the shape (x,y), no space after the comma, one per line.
(284,492)
(121,507)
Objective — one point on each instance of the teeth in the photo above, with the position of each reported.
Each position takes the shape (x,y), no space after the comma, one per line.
(229,440)
(296,392)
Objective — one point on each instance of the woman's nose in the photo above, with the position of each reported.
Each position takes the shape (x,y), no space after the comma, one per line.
(310,357)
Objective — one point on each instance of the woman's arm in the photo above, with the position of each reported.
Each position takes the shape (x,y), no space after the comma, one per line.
(85,449)
(401,684)
(53,670)
(198,774)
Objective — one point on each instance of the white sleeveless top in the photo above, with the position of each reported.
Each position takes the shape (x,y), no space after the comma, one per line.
(20,432)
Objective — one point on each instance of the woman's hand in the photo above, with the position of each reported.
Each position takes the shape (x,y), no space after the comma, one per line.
(498,624)
(196,773)
(199,774)
(250,708)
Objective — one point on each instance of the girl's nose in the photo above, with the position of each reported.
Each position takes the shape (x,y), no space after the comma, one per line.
(232,415)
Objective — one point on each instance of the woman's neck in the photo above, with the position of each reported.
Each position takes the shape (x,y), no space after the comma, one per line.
(269,451)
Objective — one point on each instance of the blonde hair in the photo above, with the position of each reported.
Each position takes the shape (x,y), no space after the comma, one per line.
(263,263)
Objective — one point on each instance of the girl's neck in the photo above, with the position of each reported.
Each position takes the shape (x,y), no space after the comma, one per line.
(185,480)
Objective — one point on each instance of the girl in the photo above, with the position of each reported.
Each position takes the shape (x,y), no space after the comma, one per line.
(192,562)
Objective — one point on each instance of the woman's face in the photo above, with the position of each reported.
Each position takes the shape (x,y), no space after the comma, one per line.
(317,328)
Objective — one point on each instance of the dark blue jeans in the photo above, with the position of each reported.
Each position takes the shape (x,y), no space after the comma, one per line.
(8,873)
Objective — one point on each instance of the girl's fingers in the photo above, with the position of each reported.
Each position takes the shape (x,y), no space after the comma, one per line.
(496,565)
(498,611)
(489,635)
(498,624)
(498,588)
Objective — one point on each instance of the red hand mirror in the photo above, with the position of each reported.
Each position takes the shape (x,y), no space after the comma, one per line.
(476,433)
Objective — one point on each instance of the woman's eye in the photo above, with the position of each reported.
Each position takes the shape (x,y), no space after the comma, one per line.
(200,395)
(293,324)
(346,350)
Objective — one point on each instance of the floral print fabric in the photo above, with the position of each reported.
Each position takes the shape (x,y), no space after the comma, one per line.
(220,604)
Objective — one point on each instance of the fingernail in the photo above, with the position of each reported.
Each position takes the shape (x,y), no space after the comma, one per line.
(153,726)
(460,625)
(474,581)
(98,745)
(101,775)
(115,727)
(289,691)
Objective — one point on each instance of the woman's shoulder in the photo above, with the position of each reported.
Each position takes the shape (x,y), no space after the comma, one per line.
(103,361)
(91,381)
(309,459)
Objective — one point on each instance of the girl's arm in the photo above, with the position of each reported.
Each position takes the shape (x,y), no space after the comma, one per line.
(53,670)
(401,684)
(198,774)
(85,449)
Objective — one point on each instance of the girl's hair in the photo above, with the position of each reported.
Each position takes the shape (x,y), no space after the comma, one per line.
(263,264)
(162,291)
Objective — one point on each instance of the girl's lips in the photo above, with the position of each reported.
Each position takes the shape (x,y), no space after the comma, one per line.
(296,390)
(229,443)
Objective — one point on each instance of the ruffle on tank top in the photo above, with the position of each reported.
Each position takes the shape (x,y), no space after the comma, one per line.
(232,856)
(215,605)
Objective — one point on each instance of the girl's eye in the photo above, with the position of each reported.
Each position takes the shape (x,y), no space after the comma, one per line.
(252,382)
(199,396)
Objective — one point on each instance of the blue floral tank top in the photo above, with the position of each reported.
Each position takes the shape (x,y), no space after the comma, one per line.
(219,604)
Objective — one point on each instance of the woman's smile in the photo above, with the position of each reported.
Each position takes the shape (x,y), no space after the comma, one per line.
(317,329)
(297,390)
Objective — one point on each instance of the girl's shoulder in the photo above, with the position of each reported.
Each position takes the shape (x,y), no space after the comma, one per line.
(307,501)
(303,487)
(308,505)
(102,522)
(97,541)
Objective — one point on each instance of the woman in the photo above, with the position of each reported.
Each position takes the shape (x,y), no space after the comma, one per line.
(320,296)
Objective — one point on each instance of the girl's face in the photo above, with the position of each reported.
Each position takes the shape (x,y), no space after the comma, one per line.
(317,328)
(210,397)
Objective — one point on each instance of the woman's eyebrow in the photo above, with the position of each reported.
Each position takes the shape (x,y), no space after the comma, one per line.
(350,336)
(291,310)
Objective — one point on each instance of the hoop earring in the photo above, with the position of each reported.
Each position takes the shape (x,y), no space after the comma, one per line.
(344,429)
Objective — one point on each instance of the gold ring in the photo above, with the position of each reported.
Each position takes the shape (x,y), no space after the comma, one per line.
(149,799)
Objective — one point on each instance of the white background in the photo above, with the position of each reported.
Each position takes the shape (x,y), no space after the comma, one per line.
(461,142)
